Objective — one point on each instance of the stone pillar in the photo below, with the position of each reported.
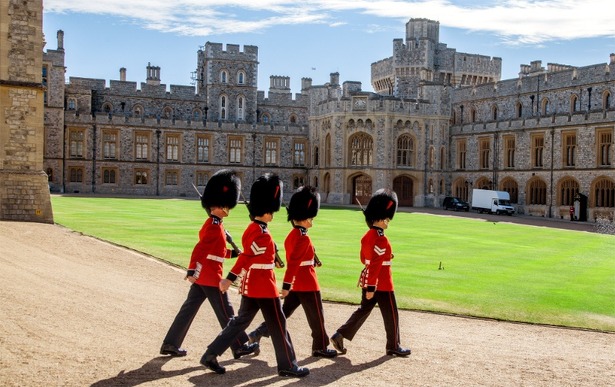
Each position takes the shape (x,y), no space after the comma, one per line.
(24,190)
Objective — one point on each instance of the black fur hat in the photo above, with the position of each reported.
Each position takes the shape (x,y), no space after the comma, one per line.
(382,205)
(304,204)
(222,190)
(265,195)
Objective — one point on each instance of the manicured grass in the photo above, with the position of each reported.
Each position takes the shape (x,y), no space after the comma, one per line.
(497,270)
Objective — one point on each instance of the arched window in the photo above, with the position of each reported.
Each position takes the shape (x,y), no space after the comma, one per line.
(361,149)
(606,100)
(519,110)
(573,103)
(510,185)
(196,115)
(473,115)
(328,151)
(293,118)
(442,159)
(544,109)
(240,108)
(266,118)
(223,107)
(223,76)
(604,193)
(241,78)
(569,188)
(167,112)
(537,192)
(494,113)
(432,157)
(405,151)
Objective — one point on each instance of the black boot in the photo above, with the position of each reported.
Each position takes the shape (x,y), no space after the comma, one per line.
(210,361)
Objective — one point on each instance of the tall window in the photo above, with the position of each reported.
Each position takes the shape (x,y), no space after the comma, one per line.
(510,186)
(141,176)
(568,190)
(241,78)
(442,160)
(240,108)
(223,76)
(223,107)
(201,178)
(109,175)
(316,157)
(573,103)
(298,181)
(72,104)
(604,143)
(328,151)
(202,149)
(537,192)
(461,154)
(235,150)
(299,154)
(361,148)
(484,144)
(405,151)
(75,174)
(172,147)
(171,177)
(570,146)
(271,152)
(604,193)
(509,152)
(110,145)
(76,143)
(432,157)
(141,146)
(538,145)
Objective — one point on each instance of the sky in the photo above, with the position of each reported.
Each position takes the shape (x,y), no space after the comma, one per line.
(316,38)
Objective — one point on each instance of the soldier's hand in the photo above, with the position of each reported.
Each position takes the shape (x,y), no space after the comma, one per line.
(224,285)
(369,295)
(284,293)
(190,278)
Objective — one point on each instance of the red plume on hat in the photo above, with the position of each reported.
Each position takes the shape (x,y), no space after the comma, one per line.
(265,195)
(304,204)
(382,205)
(222,190)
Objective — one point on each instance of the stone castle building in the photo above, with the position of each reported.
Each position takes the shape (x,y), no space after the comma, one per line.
(439,123)
(24,191)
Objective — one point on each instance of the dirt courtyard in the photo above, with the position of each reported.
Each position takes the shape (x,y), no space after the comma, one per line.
(77,311)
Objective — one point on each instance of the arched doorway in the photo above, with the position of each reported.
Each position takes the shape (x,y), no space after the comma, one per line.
(404,188)
(361,189)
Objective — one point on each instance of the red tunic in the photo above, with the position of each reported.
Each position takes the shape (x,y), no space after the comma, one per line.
(376,255)
(300,275)
(256,261)
(209,253)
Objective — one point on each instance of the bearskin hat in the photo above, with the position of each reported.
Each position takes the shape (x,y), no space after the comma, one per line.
(265,195)
(382,205)
(222,190)
(304,204)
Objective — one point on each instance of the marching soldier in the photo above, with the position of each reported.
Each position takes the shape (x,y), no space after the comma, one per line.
(376,280)
(205,268)
(300,286)
(258,286)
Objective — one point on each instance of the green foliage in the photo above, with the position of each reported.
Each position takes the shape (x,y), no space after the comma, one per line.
(442,263)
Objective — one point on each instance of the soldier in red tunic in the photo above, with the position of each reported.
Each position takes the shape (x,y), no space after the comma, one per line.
(300,286)
(205,268)
(258,285)
(376,280)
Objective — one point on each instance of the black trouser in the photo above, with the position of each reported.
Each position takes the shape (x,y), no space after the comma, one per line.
(196,296)
(271,308)
(312,305)
(388,308)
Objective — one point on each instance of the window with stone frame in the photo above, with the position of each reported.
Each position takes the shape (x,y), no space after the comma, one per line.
(604,193)
(509,151)
(432,157)
(442,159)
(202,148)
(538,146)
(544,110)
(76,143)
(568,190)
(298,181)
(361,149)
(485,152)
(537,192)
(604,147)
(299,148)
(109,175)
(71,104)
(196,115)
(265,118)
(406,154)
(75,174)
(235,150)
(142,141)
(223,76)
(223,107)
(606,100)
(241,77)
(272,146)
(573,103)
(171,177)
(327,151)
(569,148)
(240,107)
(461,153)
(167,112)
(202,178)
(110,144)
(141,176)
(172,147)
(137,111)
(509,185)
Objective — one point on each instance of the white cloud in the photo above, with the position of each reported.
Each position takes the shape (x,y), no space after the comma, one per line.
(514,21)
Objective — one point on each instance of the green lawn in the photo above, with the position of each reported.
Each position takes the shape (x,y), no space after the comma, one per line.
(497,270)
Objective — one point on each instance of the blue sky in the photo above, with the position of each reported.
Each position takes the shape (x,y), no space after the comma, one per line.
(315,38)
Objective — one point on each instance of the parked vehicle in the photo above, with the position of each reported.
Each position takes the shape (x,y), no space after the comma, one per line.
(494,202)
(451,202)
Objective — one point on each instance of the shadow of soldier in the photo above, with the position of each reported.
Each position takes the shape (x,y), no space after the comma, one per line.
(150,371)
(341,366)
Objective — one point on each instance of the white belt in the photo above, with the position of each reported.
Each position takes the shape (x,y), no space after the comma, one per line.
(386,263)
(215,258)
(264,266)
(307,263)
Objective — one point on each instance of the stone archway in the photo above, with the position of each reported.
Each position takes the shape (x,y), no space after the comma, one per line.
(404,188)
(361,189)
